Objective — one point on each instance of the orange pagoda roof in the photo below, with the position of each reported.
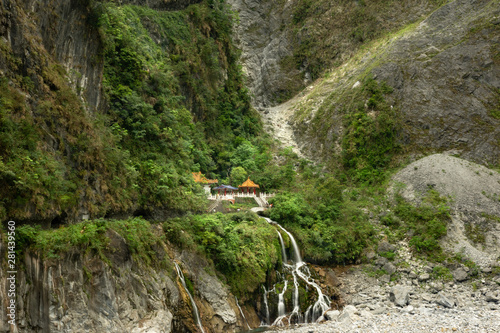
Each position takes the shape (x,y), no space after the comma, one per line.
(199,178)
(249,183)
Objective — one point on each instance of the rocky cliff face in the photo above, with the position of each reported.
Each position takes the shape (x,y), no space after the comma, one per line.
(81,293)
(44,33)
(444,74)
(264,44)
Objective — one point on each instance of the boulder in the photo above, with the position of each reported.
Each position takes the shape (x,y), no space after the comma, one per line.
(400,295)
(460,274)
(381,261)
(332,315)
(389,268)
(386,247)
(424,277)
(490,297)
(445,301)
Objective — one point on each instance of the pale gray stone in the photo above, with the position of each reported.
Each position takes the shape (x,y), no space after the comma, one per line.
(400,295)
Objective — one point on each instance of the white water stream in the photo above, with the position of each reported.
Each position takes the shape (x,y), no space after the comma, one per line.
(242,314)
(299,270)
(195,308)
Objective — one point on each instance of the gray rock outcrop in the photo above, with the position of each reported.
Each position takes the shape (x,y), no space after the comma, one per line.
(400,295)
(445,80)
(473,191)
(264,45)
(80,293)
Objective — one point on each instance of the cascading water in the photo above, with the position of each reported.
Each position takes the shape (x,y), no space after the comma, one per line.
(242,314)
(281,307)
(266,305)
(299,271)
(195,308)
(283,251)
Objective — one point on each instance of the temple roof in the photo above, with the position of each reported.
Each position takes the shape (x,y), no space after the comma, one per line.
(224,187)
(199,178)
(249,183)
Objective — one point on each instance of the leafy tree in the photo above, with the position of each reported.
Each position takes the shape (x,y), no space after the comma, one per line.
(238,175)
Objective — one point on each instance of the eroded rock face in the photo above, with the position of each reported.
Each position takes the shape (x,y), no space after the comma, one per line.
(35,30)
(264,45)
(162,4)
(445,79)
(81,293)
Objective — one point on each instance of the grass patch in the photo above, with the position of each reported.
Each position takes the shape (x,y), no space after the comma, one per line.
(425,224)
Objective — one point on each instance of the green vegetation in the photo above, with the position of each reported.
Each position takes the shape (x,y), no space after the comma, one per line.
(424,224)
(369,141)
(476,232)
(242,246)
(89,237)
(175,103)
(329,227)
(441,273)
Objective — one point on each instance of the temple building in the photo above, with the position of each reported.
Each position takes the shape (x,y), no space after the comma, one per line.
(226,189)
(201,179)
(249,187)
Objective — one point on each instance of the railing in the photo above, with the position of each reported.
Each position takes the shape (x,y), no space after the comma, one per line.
(231,196)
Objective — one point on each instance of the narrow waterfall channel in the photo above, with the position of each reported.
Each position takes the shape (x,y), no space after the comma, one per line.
(195,308)
(242,314)
(301,275)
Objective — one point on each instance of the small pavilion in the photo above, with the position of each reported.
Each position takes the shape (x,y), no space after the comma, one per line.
(225,188)
(201,179)
(249,186)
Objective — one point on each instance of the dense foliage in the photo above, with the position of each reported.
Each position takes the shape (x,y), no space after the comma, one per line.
(424,224)
(242,246)
(90,237)
(176,103)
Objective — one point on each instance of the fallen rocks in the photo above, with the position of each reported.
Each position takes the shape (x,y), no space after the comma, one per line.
(460,274)
(332,315)
(491,297)
(445,301)
(400,295)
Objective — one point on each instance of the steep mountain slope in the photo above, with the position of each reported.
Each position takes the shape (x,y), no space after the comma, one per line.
(91,90)
(437,83)
(287,44)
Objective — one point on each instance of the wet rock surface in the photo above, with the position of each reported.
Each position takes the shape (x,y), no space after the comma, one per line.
(410,304)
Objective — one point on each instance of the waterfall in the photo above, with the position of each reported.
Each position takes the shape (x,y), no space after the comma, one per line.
(195,308)
(285,259)
(281,307)
(298,259)
(242,314)
(266,306)
(299,270)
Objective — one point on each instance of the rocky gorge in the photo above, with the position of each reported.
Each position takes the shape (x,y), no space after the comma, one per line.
(390,189)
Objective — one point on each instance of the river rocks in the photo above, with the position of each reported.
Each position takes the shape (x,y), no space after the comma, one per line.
(389,268)
(400,295)
(492,297)
(460,274)
(445,301)
(424,277)
(332,315)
